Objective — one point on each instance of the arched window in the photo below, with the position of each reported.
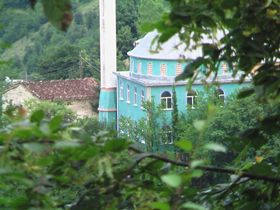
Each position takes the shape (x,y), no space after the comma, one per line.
(135,96)
(142,98)
(191,99)
(166,100)
(220,95)
(121,90)
(128,94)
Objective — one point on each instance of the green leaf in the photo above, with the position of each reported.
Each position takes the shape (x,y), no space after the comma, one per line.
(37,116)
(184,144)
(190,69)
(172,180)
(55,123)
(58,12)
(116,145)
(210,50)
(168,33)
(34,147)
(199,124)
(67,144)
(245,93)
(190,205)
(196,163)
(160,206)
(196,173)
(261,169)
(215,147)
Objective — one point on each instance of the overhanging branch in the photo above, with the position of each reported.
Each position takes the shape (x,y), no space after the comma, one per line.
(241,174)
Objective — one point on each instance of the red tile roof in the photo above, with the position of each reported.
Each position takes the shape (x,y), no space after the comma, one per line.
(64,90)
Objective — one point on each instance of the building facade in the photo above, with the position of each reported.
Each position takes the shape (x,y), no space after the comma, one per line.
(152,76)
(79,95)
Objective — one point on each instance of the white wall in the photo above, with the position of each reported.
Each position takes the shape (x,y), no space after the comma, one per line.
(17,96)
(108,46)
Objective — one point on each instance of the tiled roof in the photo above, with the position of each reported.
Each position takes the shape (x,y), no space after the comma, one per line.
(65,90)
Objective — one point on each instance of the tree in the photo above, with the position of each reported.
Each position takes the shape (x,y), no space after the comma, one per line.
(150,11)
(250,42)
(175,115)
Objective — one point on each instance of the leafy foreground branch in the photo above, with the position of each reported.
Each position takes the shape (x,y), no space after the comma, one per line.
(47,164)
(238,172)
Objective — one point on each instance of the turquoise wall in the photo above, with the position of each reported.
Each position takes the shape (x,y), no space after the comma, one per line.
(107,105)
(134,111)
(170,64)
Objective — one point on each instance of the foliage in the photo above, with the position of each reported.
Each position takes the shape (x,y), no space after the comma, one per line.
(51,109)
(250,42)
(175,115)
(150,131)
(48,165)
(67,67)
(150,11)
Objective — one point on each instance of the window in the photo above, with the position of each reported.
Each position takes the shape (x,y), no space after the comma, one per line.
(163,70)
(150,68)
(139,68)
(128,94)
(142,98)
(166,100)
(135,96)
(178,69)
(220,95)
(167,136)
(191,99)
(121,90)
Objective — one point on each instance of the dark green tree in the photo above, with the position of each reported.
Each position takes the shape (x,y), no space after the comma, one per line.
(175,115)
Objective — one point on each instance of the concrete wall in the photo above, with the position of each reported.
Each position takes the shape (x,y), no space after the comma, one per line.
(130,109)
(20,94)
(81,108)
(17,96)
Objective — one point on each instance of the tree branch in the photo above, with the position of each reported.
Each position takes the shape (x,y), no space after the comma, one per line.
(241,174)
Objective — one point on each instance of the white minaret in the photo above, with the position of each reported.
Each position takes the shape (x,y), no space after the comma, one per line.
(108,61)
(108,43)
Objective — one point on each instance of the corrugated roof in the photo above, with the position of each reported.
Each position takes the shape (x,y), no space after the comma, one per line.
(173,49)
(66,90)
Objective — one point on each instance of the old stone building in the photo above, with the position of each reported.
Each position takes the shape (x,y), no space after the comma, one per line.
(79,95)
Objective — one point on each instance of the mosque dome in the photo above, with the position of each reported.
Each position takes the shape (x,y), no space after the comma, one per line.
(166,59)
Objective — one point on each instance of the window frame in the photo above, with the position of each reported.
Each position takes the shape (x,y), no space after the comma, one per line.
(128,93)
(135,96)
(179,69)
(164,101)
(150,68)
(121,91)
(142,98)
(193,98)
(139,68)
(163,69)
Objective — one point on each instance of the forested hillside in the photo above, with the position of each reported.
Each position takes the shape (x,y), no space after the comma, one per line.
(37,51)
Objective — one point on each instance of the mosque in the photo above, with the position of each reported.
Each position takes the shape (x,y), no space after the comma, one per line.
(151,74)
